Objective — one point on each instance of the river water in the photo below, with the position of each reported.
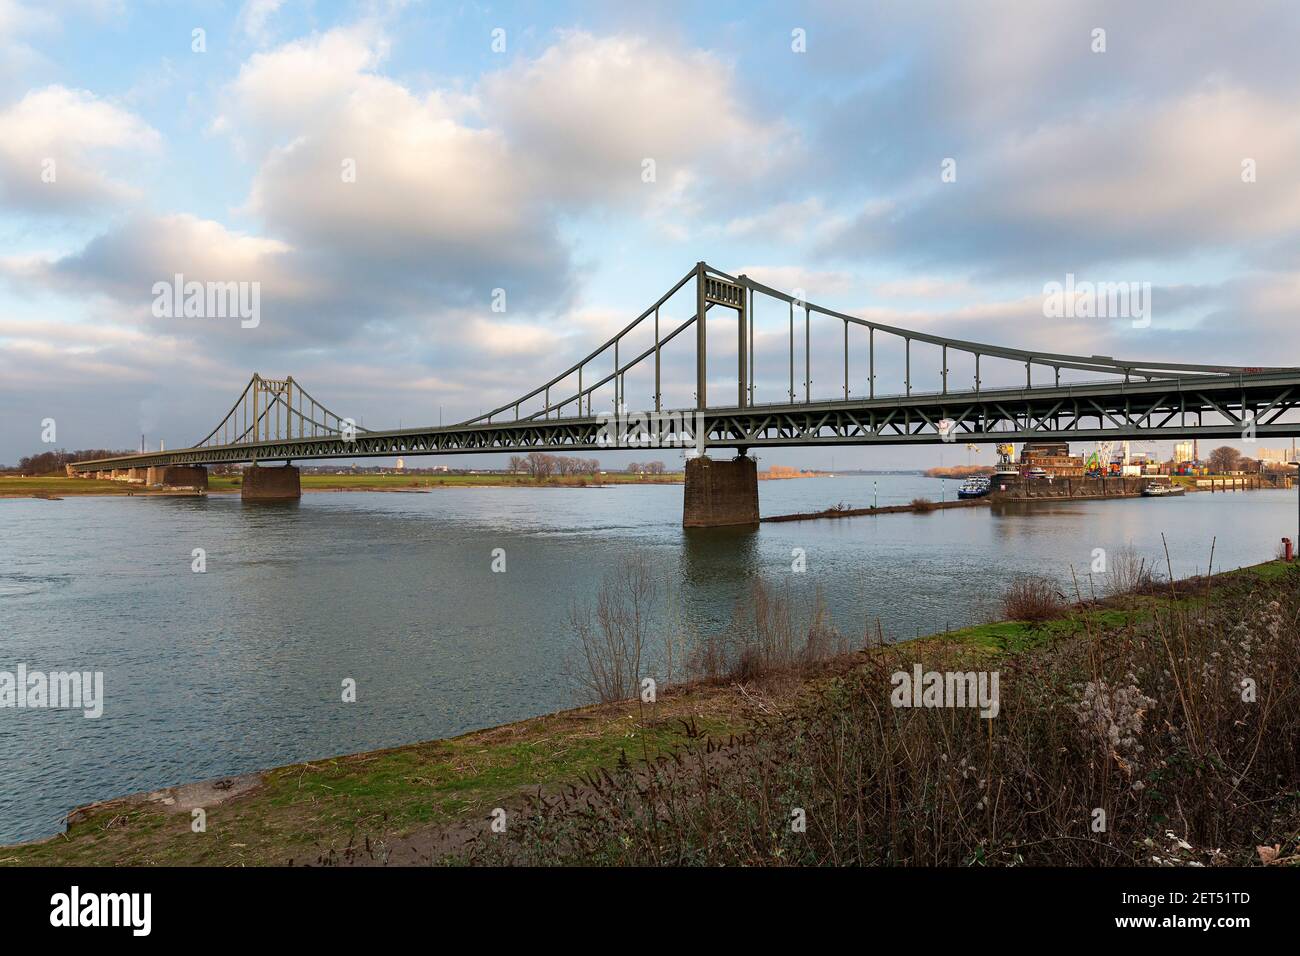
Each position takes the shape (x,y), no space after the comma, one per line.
(240,668)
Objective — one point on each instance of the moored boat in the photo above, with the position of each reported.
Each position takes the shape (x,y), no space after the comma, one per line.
(977,486)
(1162,490)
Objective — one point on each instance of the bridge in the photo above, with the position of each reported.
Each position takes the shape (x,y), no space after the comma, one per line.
(1013,395)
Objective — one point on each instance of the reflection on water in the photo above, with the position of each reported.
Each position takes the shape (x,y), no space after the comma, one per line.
(240,668)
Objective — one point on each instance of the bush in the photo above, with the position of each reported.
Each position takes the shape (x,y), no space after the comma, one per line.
(922,505)
(612,638)
(764,638)
(1033,599)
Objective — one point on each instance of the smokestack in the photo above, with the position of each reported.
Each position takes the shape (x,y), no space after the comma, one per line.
(162,445)
(142,442)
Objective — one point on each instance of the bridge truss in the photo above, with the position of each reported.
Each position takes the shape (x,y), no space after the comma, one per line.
(275,419)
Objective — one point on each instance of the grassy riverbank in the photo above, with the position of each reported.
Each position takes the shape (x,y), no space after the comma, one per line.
(58,486)
(1191,764)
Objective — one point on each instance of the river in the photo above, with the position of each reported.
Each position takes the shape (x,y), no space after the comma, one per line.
(239,668)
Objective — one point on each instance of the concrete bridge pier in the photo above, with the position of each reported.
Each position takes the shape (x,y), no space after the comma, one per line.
(179,476)
(720,493)
(271,484)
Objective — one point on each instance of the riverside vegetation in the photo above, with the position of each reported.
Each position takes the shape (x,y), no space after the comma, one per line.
(1154,724)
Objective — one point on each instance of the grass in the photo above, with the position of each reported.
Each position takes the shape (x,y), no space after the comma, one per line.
(1013,637)
(59,486)
(14,486)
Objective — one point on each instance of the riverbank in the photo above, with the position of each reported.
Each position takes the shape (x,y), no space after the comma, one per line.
(58,486)
(434,801)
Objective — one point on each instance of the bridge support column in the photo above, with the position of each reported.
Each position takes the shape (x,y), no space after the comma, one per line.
(720,493)
(271,484)
(180,476)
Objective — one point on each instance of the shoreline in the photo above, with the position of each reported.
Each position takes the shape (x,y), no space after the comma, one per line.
(427,801)
(54,488)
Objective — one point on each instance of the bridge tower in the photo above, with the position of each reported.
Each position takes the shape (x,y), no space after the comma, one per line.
(722,492)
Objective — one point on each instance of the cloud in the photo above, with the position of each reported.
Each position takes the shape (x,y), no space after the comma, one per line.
(17,21)
(925,287)
(816,284)
(253,17)
(54,146)
(589,111)
(1121,184)
(126,261)
(456,193)
(397,189)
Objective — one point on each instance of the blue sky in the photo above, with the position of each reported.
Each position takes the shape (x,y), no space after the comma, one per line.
(522,169)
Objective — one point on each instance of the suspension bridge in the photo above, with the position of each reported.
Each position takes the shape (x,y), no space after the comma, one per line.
(1013,395)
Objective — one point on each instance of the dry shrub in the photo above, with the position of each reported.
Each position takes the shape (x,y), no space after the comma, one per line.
(613,638)
(763,638)
(1033,599)
(922,505)
(1129,573)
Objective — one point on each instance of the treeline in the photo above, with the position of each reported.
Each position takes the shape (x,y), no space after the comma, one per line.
(537,464)
(958,471)
(1226,459)
(52,461)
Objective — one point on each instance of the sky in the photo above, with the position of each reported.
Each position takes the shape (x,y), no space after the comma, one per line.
(444,205)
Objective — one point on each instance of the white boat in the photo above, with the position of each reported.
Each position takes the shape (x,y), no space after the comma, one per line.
(1162,491)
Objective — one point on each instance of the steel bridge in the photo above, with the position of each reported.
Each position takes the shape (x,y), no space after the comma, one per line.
(277,420)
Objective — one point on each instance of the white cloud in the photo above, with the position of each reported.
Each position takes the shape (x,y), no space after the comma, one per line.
(57,146)
(253,17)
(590,110)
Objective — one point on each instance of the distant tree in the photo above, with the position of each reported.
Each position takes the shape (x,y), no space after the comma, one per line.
(541,465)
(1224,459)
(518,464)
(654,467)
(49,462)
(634,469)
